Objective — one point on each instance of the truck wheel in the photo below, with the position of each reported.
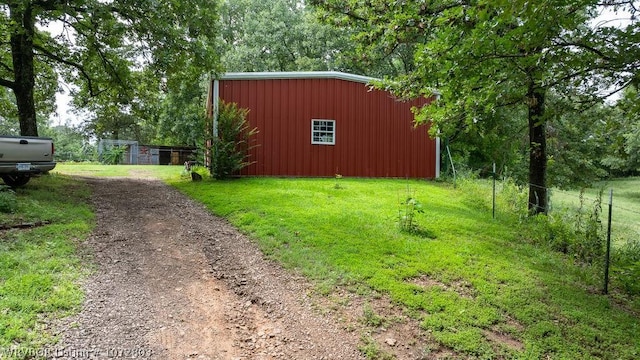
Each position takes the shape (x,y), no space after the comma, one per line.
(16,180)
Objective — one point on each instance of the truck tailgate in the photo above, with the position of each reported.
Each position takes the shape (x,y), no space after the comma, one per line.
(25,149)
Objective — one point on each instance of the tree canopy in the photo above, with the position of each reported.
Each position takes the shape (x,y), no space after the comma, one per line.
(279,35)
(484,56)
(100,46)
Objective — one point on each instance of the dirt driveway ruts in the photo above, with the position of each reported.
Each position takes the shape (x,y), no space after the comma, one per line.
(171,281)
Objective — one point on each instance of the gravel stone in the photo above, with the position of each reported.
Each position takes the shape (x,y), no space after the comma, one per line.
(172,281)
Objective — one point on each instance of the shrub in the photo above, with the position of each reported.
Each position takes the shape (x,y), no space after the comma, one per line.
(231,146)
(113,155)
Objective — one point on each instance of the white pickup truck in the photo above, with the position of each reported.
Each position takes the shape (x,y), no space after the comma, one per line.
(23,156)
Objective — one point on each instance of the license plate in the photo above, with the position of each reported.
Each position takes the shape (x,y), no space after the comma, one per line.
(23,166)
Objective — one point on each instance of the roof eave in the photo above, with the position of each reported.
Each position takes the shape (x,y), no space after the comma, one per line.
(283,75)
(296,75)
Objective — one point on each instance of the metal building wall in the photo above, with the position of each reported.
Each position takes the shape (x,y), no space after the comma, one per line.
(375,136)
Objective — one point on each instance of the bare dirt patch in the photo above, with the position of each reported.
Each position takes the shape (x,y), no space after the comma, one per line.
(172,281)
(461,287)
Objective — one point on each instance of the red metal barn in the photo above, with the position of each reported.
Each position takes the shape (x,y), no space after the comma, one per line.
(327,123)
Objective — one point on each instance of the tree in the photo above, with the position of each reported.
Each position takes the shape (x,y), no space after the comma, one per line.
(101,43)
(124,114)
(71,143)
(280,35)
(484,56)
(44,99)
(575,143)
(622,135)
(180,116)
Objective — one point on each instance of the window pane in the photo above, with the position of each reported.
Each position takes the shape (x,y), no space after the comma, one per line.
(323,132)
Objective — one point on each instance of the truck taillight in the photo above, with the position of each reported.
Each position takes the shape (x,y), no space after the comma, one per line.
(53,149)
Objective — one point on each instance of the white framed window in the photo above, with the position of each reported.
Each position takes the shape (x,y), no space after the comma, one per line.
(323,132)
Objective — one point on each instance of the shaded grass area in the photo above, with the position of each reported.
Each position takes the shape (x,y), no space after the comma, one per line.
(344,232)
(39,269)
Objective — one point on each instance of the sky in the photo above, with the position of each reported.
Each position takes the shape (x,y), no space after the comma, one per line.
(64,114)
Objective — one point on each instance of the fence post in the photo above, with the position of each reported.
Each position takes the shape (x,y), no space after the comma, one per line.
(452,167)
(608,254)
(494,190)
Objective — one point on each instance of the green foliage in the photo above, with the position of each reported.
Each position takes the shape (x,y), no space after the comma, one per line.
(488,59)
(577,233)
(279,35)
(578,142)
(622,136)
(409,208)
(575,141)
(512,199)
(588,226)
(70,142)
(370,318)
(122,53)
(231,146)
(200,170)
(371,350)
(113,155)
(180,120)
(626,266)
(8,200)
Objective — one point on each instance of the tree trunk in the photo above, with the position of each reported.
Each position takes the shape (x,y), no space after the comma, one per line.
(24,78)
(537,151)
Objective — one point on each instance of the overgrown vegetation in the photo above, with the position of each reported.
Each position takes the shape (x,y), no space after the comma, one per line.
(543,299)
(230,150)
(39,269)
(113,155)
(578,233)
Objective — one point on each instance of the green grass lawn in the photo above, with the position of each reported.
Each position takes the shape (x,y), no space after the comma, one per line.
(344,233)
(39,268)
(98,170)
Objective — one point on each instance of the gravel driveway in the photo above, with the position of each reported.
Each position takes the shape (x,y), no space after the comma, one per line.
(172,281)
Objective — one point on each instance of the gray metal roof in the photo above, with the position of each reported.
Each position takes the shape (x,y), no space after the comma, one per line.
(296,75)
(279,75)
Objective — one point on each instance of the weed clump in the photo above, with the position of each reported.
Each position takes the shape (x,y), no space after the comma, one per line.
(626,268)
(8,200)
(579,234)
(408,211)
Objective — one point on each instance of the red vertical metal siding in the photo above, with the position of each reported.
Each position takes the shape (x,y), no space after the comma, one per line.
(375,136)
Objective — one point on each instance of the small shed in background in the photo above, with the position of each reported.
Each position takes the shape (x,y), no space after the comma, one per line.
(327,123)
(136,154)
